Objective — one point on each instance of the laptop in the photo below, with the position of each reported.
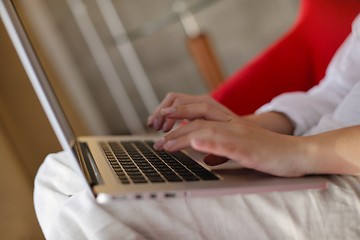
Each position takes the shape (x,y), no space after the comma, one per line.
(128,167)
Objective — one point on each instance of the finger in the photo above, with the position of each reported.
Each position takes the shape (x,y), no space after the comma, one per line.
(181,137)
(172,145)
(177,144)
(189,128)
(196,111)
(155,118)
(168,124)
(180,132)
(220,142)
(213,160)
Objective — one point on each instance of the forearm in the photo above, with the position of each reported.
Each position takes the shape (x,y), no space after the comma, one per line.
(273,121)
(334,152)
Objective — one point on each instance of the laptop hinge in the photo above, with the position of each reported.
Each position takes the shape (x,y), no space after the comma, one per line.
(88,164)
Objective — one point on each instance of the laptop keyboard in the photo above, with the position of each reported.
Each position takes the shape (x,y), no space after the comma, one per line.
(138,162)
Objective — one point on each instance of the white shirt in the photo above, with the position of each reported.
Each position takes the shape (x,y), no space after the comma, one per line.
(335,102)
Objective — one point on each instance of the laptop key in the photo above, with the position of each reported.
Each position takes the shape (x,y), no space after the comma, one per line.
(139,180)
(156,179)
(172,178)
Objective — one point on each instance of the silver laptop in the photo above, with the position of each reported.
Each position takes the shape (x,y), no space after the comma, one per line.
(128,167)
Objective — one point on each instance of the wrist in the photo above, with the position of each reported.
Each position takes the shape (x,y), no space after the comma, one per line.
(300,152)
(321,156)
(308,153)
(273,121)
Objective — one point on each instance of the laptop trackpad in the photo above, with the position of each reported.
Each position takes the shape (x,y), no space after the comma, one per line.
(231,164)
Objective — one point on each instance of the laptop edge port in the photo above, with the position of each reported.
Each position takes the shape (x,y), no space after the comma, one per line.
(169,195)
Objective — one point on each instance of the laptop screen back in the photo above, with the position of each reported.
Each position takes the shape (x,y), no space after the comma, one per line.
(36,74)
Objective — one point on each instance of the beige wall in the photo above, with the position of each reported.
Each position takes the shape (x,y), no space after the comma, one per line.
(21,113)
(17,217)
(25,139)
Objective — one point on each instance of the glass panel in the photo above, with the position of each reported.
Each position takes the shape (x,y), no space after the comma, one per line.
(158,14)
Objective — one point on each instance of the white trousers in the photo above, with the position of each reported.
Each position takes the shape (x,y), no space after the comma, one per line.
(66,210)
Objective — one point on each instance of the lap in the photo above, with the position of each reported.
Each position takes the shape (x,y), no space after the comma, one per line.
(66,210)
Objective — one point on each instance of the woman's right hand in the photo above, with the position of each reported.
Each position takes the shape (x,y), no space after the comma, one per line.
(244,142)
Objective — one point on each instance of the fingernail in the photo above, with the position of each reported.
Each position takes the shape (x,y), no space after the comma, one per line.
(156,123)
(165,128)
(149,121)
(167,111)
(169,145)
(168,125)
(159,143)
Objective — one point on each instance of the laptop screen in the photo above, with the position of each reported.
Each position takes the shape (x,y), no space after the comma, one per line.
(36,74)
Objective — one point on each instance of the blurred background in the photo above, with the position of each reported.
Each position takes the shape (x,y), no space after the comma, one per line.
(111,62)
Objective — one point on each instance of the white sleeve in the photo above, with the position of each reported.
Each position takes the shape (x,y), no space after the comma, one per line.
(305,109)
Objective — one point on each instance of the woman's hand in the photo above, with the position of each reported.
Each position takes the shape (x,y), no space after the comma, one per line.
(177,106)
(251,146)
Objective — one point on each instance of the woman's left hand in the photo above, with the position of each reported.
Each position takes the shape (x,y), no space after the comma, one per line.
(178,106)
